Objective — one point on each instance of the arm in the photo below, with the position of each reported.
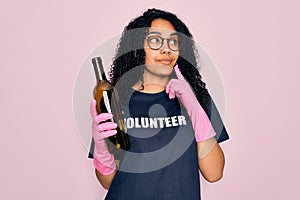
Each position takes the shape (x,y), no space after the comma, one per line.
(104,161)
(105,180)
(210,155)
(210,160)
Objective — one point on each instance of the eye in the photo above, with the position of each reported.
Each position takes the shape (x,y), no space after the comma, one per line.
(173,41)
(154,39)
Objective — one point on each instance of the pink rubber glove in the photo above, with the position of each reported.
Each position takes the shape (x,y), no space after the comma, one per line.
(201,123)
(104,162)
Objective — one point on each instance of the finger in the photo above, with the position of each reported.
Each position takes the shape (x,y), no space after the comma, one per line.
(177,89)
(174,83)
(109,133)
(107,126)
(172,94)
(99,136)
(102,117)
(170,84)
(93,110)
(178,73)
(170,89)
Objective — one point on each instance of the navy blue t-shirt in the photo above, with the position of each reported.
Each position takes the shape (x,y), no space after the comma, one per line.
(162,162)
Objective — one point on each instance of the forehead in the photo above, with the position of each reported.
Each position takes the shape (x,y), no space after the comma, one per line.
(162,26)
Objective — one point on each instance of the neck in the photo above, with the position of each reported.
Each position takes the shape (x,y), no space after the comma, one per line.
(150,79)
(152,83)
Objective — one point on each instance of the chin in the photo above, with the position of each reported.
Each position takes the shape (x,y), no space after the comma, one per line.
(164,71)
(159,69)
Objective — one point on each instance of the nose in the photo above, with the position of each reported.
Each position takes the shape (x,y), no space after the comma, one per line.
(165,49)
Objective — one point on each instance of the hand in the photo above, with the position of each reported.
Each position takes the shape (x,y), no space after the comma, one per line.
(182,90)
(104,162)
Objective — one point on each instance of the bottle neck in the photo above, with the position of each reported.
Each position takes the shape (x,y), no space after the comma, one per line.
(99,70)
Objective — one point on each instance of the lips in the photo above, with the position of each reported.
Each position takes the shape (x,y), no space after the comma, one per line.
(166,61)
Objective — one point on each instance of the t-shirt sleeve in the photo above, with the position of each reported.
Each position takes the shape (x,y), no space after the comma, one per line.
(216,121)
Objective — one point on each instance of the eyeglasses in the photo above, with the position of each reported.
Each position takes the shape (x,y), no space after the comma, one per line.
(155,42)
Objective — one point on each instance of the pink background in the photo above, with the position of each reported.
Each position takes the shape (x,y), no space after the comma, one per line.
(254,44)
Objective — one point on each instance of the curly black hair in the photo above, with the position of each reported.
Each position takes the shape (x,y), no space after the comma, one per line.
(130,53)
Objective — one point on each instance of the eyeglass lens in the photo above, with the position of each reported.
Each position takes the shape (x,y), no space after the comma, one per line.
(156,42)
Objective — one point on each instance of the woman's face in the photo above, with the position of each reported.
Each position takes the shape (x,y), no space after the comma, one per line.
(160,58)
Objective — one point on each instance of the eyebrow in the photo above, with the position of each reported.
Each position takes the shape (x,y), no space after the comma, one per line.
(155,32)
(159,33)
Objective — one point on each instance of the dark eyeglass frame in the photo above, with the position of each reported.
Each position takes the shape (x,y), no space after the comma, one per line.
(149,37)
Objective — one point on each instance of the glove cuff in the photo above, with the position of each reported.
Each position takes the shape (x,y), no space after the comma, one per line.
(201,124)
(106,166)
(104,161)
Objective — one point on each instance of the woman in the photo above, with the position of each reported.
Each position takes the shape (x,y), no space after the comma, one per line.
(165,104)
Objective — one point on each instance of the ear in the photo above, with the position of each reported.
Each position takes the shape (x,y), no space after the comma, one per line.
(134,53)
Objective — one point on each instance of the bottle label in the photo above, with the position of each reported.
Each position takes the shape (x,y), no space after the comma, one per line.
(106,102)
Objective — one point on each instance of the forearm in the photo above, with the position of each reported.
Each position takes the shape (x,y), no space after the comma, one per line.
(211,160)
(105,168)
(105,180)
(104,161)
